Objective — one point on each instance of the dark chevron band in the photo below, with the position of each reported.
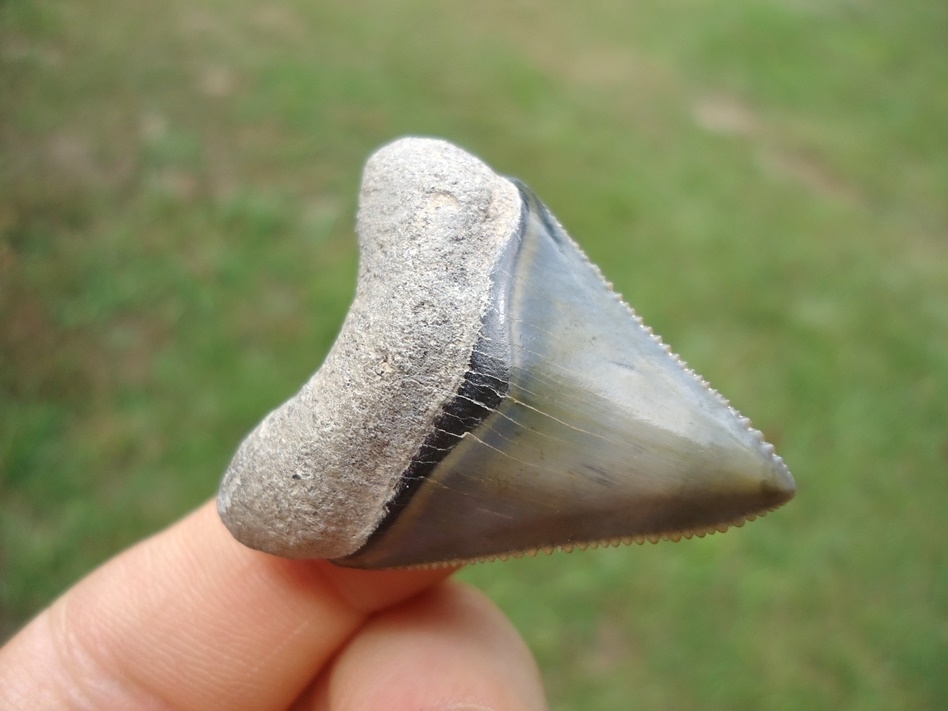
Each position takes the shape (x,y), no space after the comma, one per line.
(481,391)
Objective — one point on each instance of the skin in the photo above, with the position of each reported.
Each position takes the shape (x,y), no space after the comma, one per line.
(191,619)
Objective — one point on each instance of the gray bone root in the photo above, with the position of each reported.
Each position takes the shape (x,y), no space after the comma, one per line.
(314,478)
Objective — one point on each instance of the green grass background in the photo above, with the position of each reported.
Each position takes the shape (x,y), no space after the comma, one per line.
(765,182)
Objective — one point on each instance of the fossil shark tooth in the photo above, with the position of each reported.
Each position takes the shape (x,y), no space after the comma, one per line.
(488,395)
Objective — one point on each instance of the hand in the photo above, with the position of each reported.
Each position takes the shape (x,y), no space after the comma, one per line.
(191,619)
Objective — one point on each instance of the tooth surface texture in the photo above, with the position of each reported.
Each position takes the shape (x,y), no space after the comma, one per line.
(521,405)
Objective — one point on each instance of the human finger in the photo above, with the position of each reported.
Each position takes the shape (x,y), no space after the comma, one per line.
(449,648)
(191,619)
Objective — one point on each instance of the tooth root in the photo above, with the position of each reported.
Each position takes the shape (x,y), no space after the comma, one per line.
(567,425)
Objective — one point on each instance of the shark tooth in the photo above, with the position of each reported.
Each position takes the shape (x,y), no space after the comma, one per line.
(488,395)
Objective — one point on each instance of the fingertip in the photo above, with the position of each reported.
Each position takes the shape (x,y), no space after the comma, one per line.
(449,648)
(190,618)
(370,590)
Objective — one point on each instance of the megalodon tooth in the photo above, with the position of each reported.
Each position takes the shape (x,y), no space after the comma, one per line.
(488,395)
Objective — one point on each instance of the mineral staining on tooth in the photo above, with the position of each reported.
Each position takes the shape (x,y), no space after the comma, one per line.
(593,432)
(488,395)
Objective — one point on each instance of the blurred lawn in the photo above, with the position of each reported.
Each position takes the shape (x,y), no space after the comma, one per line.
(766,182)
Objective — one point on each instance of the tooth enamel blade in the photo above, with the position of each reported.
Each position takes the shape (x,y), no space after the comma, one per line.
(585,428)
